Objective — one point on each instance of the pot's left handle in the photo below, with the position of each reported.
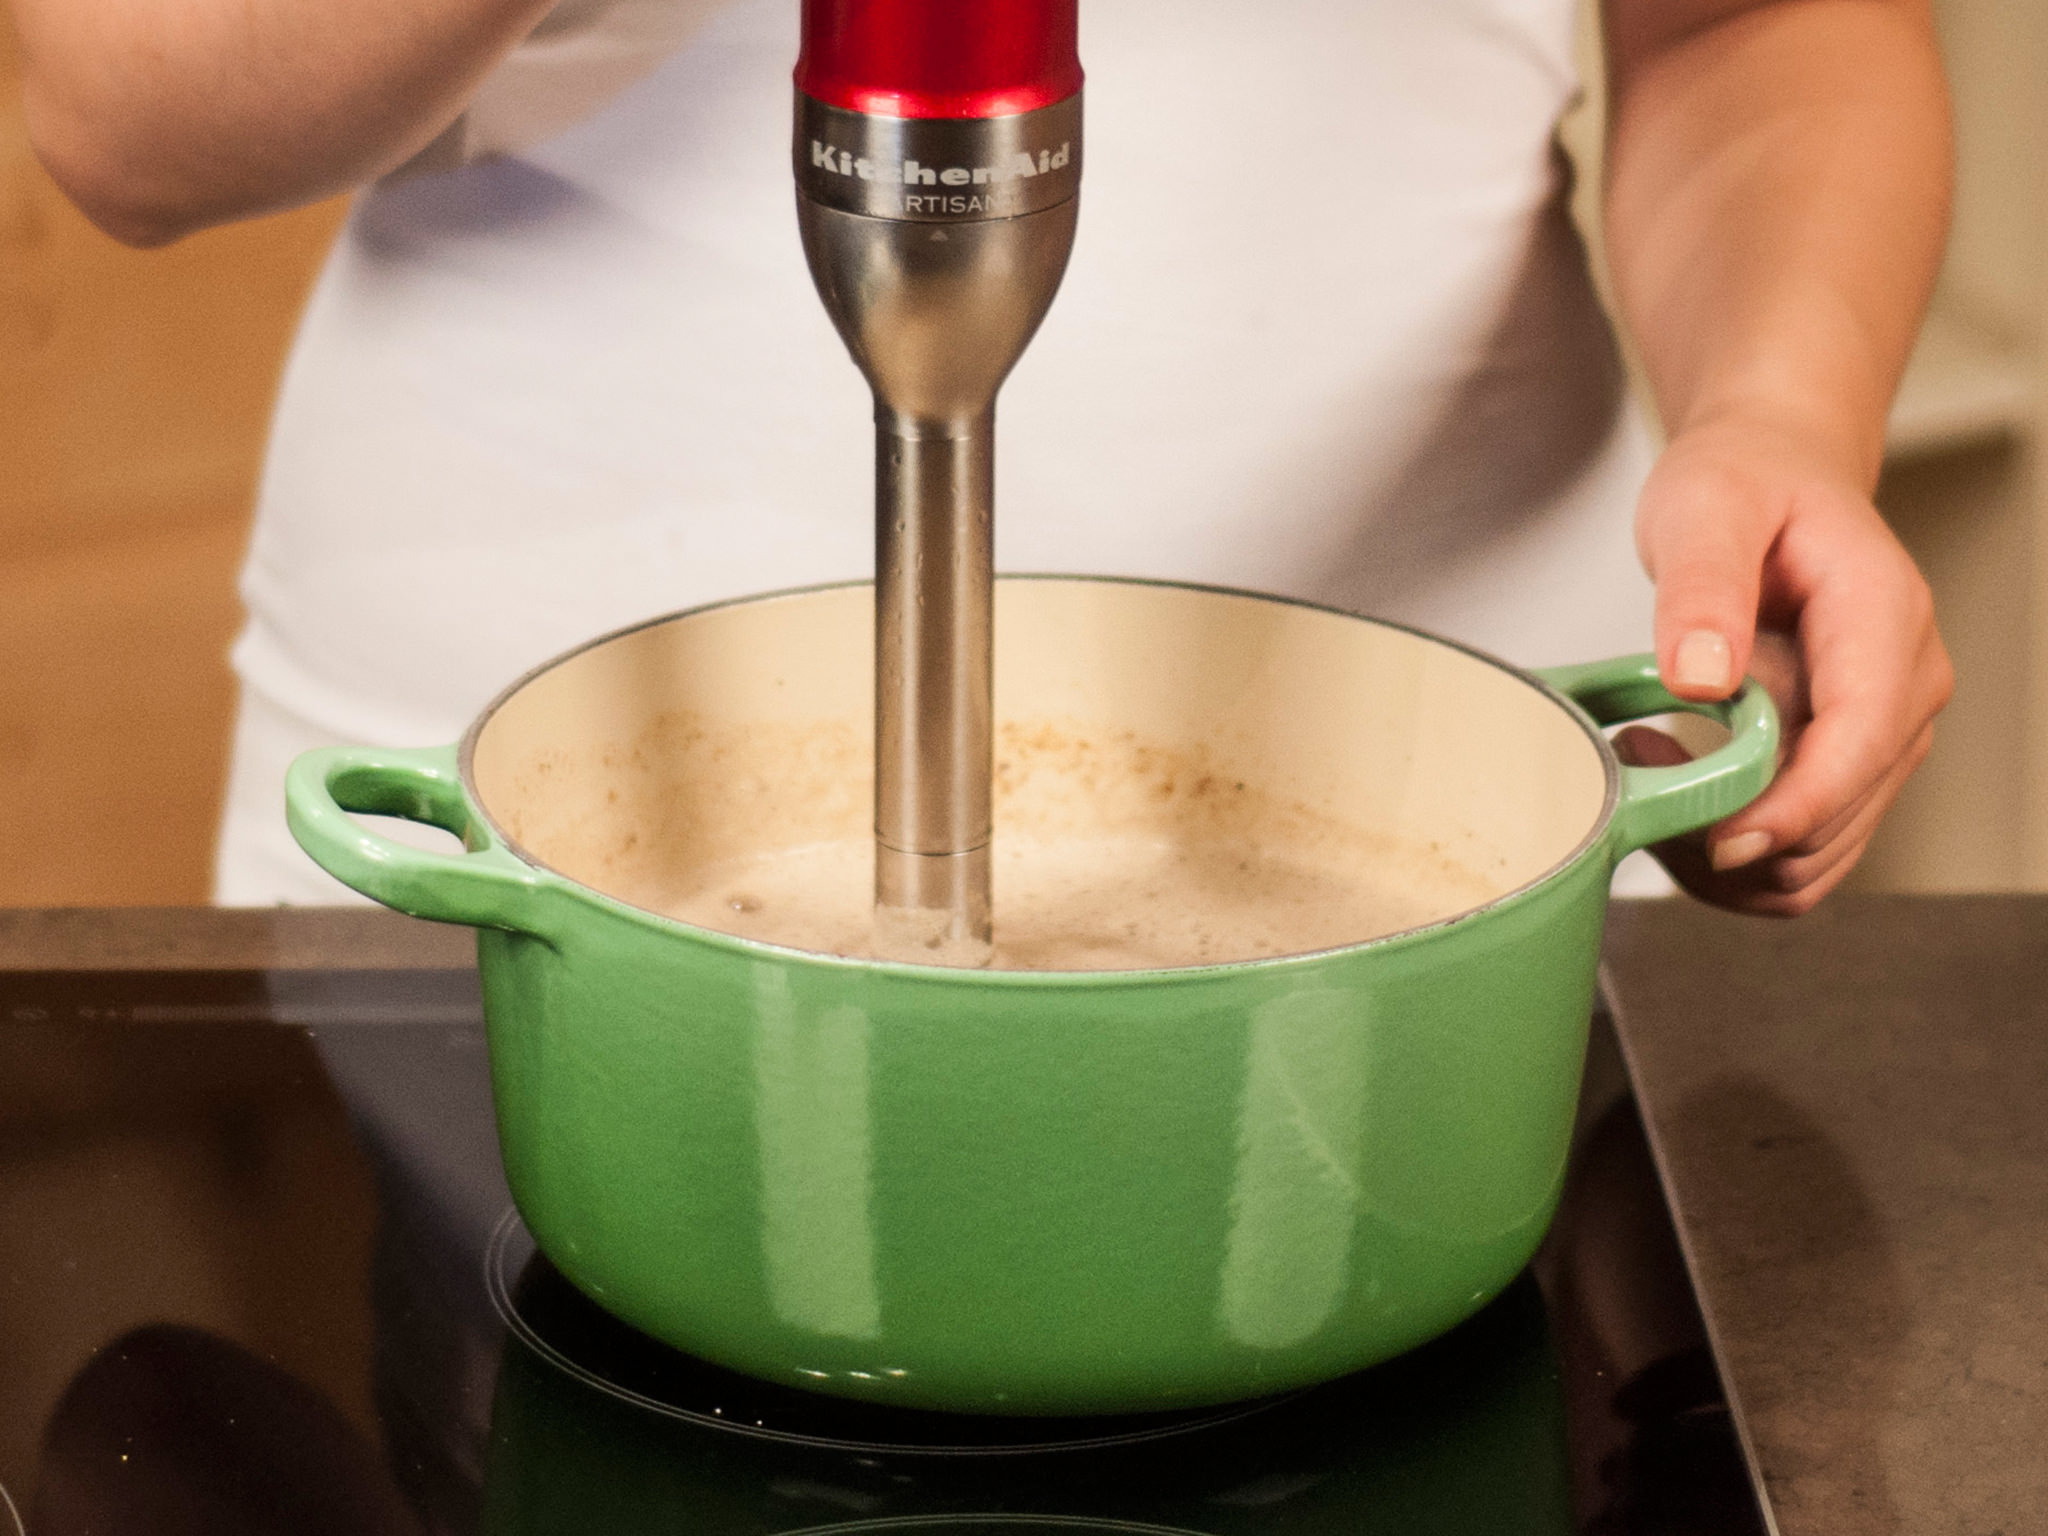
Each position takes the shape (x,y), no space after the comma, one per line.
(1661,803)
(486,887)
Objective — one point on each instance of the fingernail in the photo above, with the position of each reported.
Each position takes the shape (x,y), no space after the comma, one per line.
(1743,848)
(1702,660)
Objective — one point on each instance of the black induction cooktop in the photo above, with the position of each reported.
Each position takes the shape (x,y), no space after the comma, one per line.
(259,1273)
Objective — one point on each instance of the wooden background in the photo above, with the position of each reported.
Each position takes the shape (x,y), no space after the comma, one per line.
(134,392)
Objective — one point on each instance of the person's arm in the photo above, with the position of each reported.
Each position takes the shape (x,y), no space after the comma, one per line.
(1777,196)
(159,117)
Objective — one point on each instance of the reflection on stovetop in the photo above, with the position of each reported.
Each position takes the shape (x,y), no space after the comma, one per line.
(596,1427)
(557,1322)
(284,1294)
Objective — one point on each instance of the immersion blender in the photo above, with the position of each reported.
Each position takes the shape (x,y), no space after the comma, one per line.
(938,157)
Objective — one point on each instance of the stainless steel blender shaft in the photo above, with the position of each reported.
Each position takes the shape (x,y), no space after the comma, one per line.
(934,641)
(936,295)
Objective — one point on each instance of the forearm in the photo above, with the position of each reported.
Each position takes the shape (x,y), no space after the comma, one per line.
(1777,196)
(163,116)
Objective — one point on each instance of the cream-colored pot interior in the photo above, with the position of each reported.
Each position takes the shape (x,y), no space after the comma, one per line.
(1159,748)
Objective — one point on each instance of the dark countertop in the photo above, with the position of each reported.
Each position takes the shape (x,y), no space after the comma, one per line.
(1850,1113)
(227,939)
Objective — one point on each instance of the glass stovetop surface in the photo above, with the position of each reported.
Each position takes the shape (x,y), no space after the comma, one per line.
(259,1272)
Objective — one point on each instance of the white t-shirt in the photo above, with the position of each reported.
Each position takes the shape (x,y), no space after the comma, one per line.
(1327,332)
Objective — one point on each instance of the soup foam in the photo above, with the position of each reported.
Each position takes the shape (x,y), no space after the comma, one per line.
(1098,903)
(1110,853)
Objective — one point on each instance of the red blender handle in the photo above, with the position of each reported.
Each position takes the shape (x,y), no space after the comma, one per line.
(939,58)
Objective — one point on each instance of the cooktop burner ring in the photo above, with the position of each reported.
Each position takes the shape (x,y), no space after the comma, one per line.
(511,1255)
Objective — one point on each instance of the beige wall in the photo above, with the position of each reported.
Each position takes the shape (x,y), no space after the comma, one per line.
(133,393)
(1973,508)
(1977,817)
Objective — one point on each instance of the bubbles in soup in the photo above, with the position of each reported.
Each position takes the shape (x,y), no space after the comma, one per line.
(1102,903)
(1109,853)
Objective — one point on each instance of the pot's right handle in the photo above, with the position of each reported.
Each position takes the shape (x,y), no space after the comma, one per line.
(486,887)
(1661,803)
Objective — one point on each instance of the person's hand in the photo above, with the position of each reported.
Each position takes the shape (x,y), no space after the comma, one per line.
(1769,561)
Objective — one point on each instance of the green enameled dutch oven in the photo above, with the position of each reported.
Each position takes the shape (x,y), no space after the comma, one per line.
(1032,1192)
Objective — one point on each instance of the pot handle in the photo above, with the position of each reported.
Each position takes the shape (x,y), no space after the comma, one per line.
(486,887)
(1661,803)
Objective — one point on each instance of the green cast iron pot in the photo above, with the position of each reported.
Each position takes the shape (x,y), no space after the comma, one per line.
(1034,1192)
